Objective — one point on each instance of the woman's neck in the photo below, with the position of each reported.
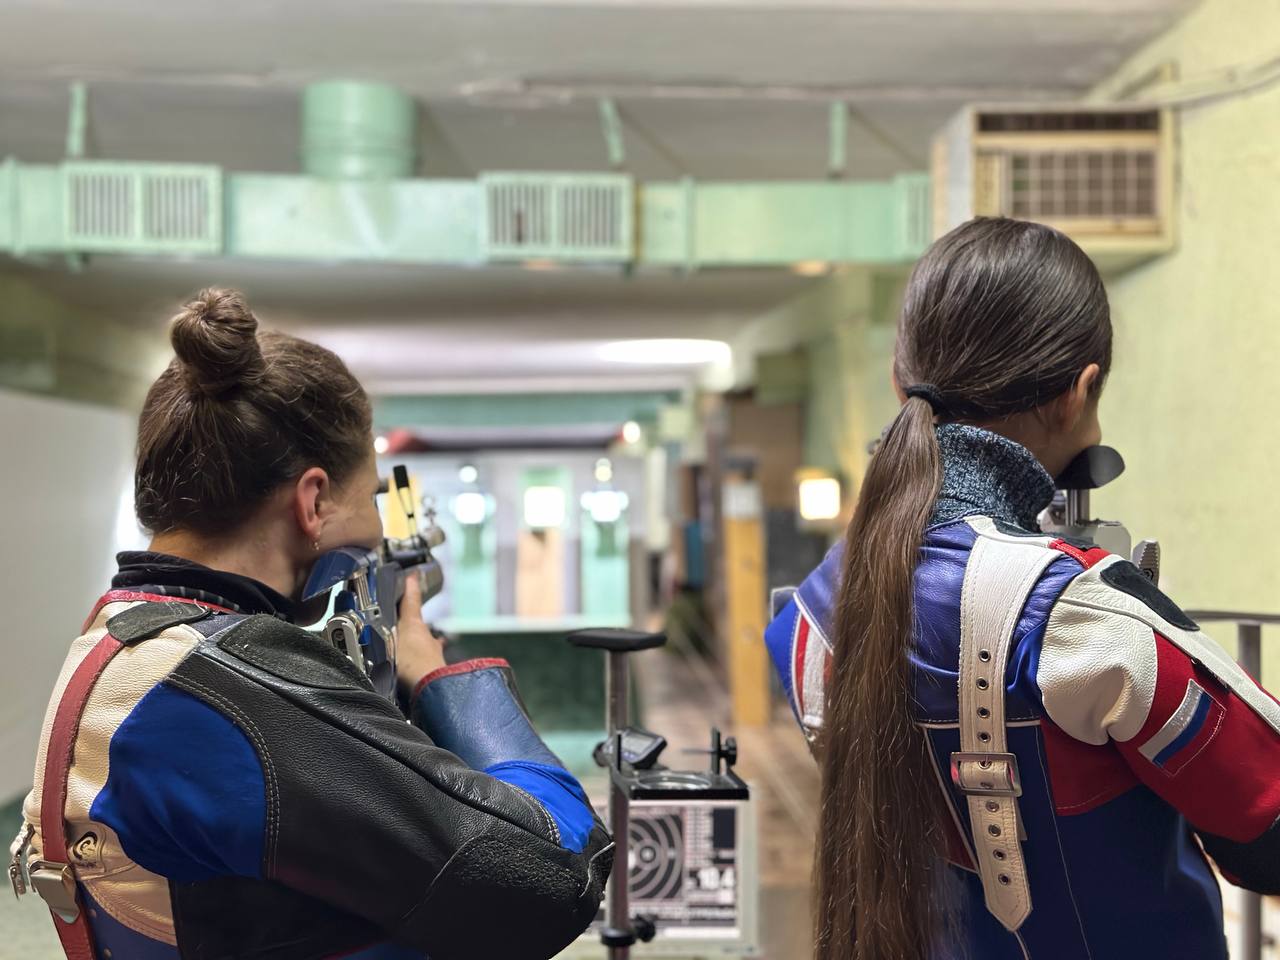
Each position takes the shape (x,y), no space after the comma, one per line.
(256,557)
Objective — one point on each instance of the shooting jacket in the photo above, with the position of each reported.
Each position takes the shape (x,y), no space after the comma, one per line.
(237,789)
(1143,751)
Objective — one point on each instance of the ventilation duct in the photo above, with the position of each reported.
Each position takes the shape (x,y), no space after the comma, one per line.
(358,131)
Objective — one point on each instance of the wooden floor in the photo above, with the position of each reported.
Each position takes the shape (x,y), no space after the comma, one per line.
(682,699)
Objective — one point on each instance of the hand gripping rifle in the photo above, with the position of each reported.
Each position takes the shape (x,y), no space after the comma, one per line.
(365,611)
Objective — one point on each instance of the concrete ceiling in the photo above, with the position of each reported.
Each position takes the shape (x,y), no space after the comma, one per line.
(710,88)
(406,329)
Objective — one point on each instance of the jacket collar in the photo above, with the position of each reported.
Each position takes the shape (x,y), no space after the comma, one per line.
(985,474)
(167,575)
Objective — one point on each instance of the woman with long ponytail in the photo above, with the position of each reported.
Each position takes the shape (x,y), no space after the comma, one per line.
(1109,729)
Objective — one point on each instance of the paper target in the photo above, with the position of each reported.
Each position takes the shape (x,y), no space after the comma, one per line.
(656,857)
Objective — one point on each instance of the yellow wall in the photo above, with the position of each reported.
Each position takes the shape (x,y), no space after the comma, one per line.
(1192,403)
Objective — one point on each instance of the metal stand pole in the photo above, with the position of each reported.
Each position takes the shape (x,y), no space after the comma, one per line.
(617,915)
(1249,655)
(1077,507)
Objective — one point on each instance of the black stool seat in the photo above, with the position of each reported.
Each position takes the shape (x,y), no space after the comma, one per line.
(616,640)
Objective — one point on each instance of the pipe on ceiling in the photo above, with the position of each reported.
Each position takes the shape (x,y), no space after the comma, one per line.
(353,130)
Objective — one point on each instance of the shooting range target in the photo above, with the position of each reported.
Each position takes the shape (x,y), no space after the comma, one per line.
(656,857)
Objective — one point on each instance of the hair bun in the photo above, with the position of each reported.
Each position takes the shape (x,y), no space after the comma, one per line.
(215,338)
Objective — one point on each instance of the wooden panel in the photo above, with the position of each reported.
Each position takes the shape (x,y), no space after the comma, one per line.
(772,437)
(745,602)
(540,573)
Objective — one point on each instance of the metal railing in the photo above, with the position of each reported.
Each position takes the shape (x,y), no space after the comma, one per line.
(1249,656)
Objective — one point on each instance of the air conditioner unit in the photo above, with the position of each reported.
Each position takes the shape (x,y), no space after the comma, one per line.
(1101,174)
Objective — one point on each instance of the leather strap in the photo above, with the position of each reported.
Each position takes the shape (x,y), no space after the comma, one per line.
(76,937)
(1000,575)
(53,876)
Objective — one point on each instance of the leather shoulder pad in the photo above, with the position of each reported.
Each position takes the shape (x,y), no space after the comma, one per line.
(1127,578)
(146,620)
(290,653)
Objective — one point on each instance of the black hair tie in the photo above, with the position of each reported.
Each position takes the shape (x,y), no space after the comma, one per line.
(930,395)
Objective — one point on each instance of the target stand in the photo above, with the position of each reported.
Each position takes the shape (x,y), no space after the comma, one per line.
(684,880)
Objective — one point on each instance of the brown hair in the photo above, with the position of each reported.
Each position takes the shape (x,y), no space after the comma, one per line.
(236,414)
(1000,316)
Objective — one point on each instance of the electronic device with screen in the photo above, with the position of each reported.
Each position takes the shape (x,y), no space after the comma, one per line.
(640,748)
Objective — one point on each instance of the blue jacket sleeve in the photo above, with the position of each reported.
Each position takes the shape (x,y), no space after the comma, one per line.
(473,710)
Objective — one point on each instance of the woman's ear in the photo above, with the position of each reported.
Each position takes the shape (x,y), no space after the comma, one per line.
(893,379)
(1071,406)
(312,502)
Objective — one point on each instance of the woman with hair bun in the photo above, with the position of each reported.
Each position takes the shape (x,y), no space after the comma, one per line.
(213,781)
(1027,750)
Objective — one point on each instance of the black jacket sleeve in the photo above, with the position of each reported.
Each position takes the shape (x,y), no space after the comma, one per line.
(366,813)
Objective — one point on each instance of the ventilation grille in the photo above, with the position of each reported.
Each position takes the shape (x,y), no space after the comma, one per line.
(1082,184)
(557,217)
(1060,121)
(914,213)
(142,208)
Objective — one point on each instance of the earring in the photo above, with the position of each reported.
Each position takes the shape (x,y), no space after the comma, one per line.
(315,545)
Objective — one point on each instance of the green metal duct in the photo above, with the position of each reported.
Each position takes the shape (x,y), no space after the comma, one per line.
(358,202)
(358,131)
(92,206)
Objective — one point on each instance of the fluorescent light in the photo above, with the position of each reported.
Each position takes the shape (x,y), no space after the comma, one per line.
(810,268)
(468,473)
(631,432)
(543,507)
(605,506)
(381,445)
(470,507)
(819,498)
(664,353)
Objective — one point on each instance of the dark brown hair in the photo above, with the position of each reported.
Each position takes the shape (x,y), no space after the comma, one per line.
(1000,316)
(236,414)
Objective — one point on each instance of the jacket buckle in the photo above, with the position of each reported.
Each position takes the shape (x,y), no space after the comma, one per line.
(56,885)
(996,774)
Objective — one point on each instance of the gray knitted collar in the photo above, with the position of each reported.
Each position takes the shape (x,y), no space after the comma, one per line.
(989,475)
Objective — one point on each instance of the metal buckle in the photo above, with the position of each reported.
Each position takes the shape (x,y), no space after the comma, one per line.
(21,846)
(56,885)
(1011,787)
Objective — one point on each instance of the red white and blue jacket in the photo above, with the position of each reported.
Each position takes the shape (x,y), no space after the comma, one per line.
(1141,745)
(237,789)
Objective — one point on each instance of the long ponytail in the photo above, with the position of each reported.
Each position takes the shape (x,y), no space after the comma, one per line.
(1000,316)
(877,858)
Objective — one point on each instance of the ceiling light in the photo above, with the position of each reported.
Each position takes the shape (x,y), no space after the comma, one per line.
(381,445)
(810,268)
(605,506)
(470,508)
(543,507)
(604,470)
(819,498)
(468,473)
(665,352)
(631,432)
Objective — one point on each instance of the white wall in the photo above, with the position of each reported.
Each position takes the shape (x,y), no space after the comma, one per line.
(65,508)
